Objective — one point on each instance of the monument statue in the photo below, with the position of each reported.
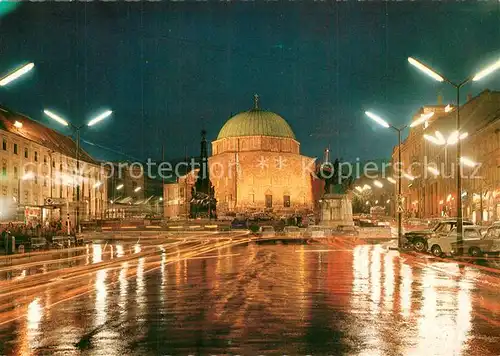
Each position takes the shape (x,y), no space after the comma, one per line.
(203,202)
(335,205)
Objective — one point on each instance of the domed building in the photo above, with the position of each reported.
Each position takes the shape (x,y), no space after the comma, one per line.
(256,165)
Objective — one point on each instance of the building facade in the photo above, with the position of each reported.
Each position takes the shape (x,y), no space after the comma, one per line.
(39,173)
(131,192)
(177,196)
(256,165)
(429,195)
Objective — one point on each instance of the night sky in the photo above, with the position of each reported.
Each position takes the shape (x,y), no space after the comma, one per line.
(167,69)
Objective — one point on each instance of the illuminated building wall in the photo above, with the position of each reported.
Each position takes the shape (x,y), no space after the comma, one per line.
(435,196)
(38,163)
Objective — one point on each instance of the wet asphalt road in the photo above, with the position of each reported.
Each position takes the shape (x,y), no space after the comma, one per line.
(218,296)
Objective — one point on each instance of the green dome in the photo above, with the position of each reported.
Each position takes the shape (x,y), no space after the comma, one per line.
(256,122)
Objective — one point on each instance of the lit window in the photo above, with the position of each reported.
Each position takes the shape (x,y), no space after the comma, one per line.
(286,201)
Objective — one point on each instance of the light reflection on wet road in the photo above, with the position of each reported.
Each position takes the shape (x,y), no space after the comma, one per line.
(253,299)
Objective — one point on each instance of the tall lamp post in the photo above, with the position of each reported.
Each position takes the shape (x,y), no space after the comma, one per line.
(440,78)
(385,124)
(439,139)
(77,130)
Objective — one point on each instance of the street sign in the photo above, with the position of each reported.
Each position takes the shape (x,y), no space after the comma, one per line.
(54,201)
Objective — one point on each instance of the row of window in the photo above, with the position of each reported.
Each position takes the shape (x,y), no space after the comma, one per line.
(26,154)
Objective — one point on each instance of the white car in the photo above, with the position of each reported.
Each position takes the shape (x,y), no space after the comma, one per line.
(442,244)
(266,231)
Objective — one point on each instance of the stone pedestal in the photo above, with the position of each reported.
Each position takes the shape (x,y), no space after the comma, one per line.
(336,209)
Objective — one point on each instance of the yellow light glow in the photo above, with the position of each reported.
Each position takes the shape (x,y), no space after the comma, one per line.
(433,139)
(391,180)
(448,108)
(440,138)
(378,183)
(366,186)
(425,69)
(433,170)
(56,117)
(487,71)
(119,187)
(408,176)
(359,189)
(453,139)
(97,184)
(423,118)
(468,162)
(18,124)
(28,176)
(16,74)
(99,118)
(137,189)
(377,119)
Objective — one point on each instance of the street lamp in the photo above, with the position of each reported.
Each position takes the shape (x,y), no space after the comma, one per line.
(385,124)
(10,77)
(440,78)
(77,129)
(439,139)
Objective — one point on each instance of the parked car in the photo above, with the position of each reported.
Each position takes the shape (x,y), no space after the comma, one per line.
(443,244)
(266,231)
(418,238)
(488,244)
(239,224)
(317,231)
(291,231)
(346,230)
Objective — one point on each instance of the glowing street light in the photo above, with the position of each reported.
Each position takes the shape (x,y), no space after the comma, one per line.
(409,176)
(423,118)
(119,187)
(16,74)
(487,71)
(378,183)
(77,129)
(137,189)
(56,117)
(468,162)
(391,180)
(425,69)
(385,124)
(436,76)
(28,176)
(99,118)
(433,170)
(377,119)
(433,139)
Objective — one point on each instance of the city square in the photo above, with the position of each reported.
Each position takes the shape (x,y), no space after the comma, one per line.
(250,178)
